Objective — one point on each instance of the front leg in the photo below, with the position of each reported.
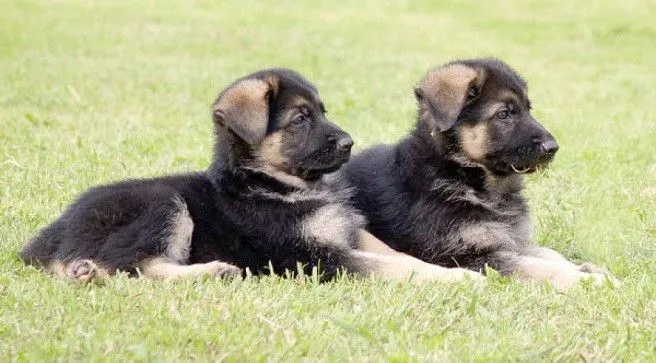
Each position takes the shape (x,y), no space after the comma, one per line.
(548,265)
(374,257)
(550,254)
(367,242)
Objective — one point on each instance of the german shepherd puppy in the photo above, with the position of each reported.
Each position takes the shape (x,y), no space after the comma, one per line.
(450,193)
(262,203)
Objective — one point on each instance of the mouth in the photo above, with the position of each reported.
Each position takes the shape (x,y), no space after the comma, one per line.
(525,165)
(316,173)
(523,170)
(519,168)
(314,169)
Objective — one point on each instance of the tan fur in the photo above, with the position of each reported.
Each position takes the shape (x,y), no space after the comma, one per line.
(57,268)
(474,140)
(244,108)
(284,177)
(491,109)
(405,268)
(272,161)
(270,151)
(78,270)
(331,225)
(505,96)
(550,254)
(179,241)
(367,242)
(160,268)
(562,274)
(487,235)
(446,88)
(295,104)
(387,263)
(156,268)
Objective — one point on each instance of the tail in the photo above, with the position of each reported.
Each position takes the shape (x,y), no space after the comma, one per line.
(40,251)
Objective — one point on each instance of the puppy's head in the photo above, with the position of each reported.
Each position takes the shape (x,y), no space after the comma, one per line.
(480,111)
(278,117)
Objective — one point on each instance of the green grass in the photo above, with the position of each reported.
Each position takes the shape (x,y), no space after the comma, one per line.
(97,91)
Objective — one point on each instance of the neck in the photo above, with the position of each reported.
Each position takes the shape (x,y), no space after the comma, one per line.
(229,153)
(282,177)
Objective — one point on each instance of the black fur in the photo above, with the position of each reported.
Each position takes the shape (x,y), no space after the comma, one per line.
(430,197)
(245,210)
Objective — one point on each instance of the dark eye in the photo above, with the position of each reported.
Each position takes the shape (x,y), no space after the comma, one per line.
(472,93)
(300,119)
(503,114)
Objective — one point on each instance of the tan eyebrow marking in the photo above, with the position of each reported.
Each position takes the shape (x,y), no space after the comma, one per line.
(297,104)
(492,108)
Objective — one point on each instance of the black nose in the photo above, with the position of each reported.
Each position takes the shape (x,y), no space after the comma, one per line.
(549,146)
(344,143)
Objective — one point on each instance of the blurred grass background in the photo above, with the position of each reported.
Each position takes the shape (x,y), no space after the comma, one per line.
(97,91)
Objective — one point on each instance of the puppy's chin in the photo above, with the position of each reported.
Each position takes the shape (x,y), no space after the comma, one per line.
(316,173)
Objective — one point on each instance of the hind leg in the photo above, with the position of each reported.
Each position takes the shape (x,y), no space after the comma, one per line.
(85,271)
(159,268)
(79,270)
(172,263)
(155,244)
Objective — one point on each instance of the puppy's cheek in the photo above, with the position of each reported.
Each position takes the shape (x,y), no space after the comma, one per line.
(474,141)
(271,151)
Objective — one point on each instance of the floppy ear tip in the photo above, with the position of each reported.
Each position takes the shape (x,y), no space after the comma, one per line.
(218,115)
(273,81)
(419,94)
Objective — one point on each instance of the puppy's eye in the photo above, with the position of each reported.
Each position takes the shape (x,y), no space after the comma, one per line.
(503,114)
(472,93)
(299,119)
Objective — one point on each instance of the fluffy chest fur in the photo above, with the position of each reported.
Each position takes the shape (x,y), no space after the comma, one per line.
(314,215)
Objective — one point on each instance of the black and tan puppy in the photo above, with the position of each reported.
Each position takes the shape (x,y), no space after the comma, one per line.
(261,203)
(450,193)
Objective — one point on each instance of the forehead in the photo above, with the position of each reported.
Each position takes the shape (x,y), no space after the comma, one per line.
(504,84)
(297,93)
(292,82)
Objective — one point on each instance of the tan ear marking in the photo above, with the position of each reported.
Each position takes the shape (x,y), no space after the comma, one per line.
(442,94)
(244,108)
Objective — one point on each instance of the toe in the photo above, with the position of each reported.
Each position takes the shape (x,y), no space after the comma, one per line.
(81,270)
(590,268)
(226,270)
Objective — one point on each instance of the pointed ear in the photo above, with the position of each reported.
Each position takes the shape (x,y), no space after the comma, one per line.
(444,92)
(244,107)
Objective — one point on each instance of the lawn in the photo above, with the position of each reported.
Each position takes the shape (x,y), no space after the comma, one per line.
(97,91)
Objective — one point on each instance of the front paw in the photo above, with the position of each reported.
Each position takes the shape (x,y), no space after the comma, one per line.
(591,268)
(443,274)
(597,270)
(460,274)
(564,281)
